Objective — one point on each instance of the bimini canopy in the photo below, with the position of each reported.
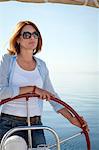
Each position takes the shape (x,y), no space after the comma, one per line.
(91,3)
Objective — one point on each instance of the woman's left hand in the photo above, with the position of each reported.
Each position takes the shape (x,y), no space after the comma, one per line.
(75,122)
(73,119)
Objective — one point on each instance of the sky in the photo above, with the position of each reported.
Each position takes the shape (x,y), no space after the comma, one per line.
(70,34)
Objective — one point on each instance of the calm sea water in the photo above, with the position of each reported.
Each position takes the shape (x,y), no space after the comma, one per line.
(84,98)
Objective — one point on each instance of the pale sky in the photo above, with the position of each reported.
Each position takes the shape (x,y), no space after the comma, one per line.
(70,33)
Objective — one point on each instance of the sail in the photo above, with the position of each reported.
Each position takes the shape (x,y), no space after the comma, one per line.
(91,3)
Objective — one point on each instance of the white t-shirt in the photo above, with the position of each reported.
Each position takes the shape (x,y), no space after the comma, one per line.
(18,107)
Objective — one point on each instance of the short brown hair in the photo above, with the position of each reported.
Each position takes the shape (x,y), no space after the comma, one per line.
(14,47)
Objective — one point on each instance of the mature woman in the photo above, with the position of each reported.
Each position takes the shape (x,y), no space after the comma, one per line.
(21,72)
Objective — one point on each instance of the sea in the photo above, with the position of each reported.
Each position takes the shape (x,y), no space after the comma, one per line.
(81,92)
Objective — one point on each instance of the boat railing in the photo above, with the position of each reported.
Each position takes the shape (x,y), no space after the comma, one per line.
(24,128)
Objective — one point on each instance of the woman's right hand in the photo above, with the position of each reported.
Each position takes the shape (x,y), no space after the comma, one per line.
(43,94)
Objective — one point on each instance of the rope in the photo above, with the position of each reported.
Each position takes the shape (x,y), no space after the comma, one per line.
(96,3)
(67,139)
(85,2)
(45,1)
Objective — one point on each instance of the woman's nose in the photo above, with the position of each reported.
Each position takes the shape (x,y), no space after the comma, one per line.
(32,36)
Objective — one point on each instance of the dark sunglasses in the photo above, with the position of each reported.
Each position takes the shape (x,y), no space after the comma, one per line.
(27,35)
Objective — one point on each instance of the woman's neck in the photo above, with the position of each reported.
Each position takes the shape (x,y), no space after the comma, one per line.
(26,57)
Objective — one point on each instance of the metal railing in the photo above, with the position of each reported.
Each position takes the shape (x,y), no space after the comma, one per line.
(11,131)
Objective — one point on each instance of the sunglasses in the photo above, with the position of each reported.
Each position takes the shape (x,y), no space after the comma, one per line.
(28,35)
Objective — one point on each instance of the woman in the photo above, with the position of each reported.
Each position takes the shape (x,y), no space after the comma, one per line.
(21,72)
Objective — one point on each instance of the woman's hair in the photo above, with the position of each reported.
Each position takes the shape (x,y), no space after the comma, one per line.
(14,47)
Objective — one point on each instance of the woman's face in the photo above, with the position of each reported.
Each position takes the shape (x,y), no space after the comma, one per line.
(28,38)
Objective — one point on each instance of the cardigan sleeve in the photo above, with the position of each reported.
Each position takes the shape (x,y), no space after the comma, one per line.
(6,90)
